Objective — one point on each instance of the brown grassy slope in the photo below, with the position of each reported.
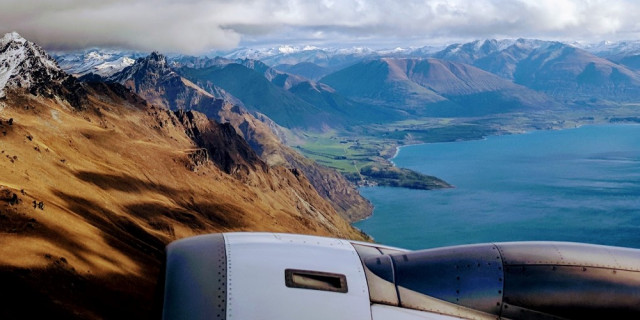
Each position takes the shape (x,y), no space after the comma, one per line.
(113,184)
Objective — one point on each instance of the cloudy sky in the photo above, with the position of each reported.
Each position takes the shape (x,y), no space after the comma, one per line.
(197,26)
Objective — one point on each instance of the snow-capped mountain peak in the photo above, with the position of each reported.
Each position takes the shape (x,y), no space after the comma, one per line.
(24,64)
(611,50)
(154,64)
(100,61)
(11,37)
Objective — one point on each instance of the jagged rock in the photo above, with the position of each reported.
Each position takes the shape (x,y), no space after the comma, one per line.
(5,194)
(225,147)
(8,196)
(25,65)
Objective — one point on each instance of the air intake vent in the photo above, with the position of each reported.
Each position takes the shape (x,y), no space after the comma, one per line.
(315,280)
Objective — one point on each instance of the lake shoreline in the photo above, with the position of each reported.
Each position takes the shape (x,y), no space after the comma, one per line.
(503,132)
(594,186)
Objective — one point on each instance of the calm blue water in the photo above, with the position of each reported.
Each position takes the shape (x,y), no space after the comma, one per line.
(570,185)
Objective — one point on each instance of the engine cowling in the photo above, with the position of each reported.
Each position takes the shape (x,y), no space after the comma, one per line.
(284,276)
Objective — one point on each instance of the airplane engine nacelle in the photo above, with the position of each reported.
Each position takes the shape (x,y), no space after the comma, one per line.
(284,276)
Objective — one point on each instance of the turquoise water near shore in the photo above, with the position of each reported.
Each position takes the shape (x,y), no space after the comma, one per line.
(579,185)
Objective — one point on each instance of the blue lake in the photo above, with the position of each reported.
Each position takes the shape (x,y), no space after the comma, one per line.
(570,185)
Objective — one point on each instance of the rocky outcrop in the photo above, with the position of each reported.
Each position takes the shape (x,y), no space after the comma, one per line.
(225,147)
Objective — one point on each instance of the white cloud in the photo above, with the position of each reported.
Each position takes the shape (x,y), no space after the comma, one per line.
(193,26)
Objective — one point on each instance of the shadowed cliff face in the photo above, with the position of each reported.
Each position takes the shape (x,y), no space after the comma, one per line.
(89,197)
(223,145)
(153,79)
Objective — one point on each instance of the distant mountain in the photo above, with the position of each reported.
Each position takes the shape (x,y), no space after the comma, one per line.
(557,69)
(612,50)
(314,63)
(470,52)
(432,87)
(177,62)
(325,57)
(153,78)
(570,73)
(102,62)
(258,94)
(499,57)
(276,95)
(626,53)
(320,95)
(308,70)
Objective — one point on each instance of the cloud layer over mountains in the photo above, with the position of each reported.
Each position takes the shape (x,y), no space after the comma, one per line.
(195,26)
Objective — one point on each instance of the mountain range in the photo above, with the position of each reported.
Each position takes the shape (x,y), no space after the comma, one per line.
(559,73)
(153,79)
(290,100)
(557,69)
(567,72)
(97,180)
(432,87)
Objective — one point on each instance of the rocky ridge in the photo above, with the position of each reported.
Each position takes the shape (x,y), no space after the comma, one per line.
(153,78)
